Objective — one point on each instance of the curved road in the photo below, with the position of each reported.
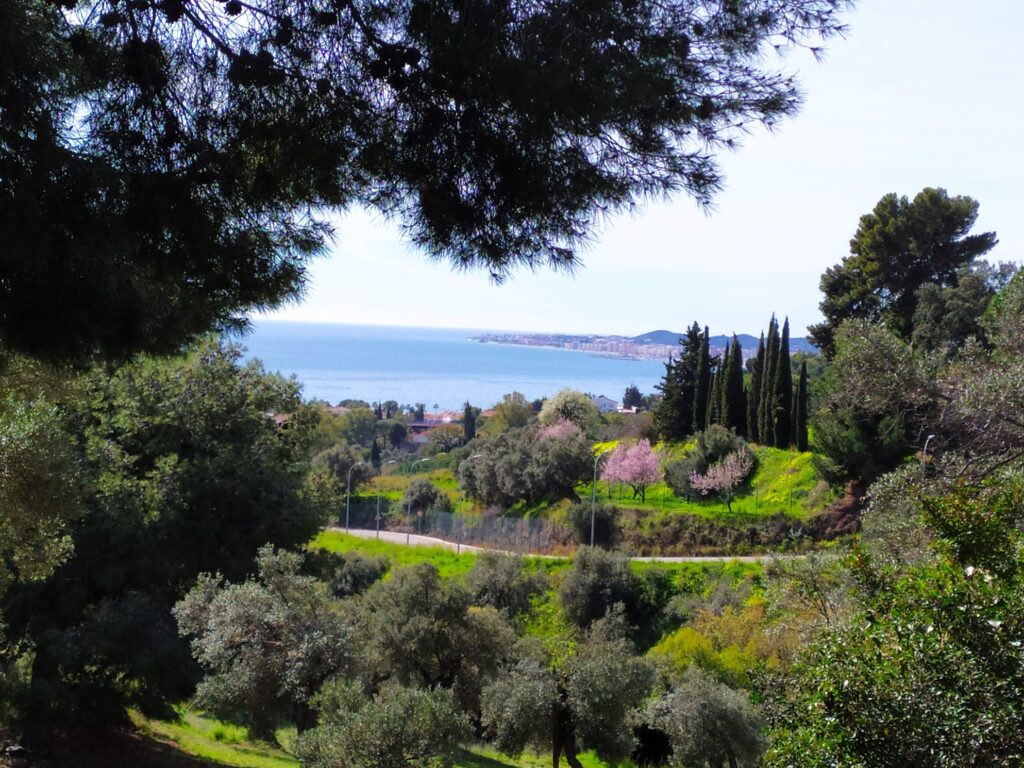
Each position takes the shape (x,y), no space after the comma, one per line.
(416,540)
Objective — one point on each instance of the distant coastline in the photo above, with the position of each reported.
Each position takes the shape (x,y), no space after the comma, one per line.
(650,346)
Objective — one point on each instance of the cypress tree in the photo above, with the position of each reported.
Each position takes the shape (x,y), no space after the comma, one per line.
(714,407)
(766,406)
(754,395)
(734,407)
(375,455)
(468,421)
(702,385)
(665,411)
(783,389)
(800,416)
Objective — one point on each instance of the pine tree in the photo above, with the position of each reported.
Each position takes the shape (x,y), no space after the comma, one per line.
(783,392)
(675,412)
(734,406)
(754,395)
(766,406)
(702,385)
(800,411)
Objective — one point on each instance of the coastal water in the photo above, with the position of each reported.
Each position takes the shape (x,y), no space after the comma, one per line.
(432,366)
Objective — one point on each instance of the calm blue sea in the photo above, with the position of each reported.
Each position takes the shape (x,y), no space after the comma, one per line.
(432,365)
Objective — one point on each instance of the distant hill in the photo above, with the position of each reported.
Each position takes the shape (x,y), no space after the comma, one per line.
(748,342)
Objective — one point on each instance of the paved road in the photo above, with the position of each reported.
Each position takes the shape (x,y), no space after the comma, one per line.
(416,540)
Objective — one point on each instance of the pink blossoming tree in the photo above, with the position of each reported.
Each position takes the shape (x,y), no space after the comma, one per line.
(635,464)
(725,476)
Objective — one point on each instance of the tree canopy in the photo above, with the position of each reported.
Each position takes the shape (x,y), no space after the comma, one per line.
(901,246)
(166,167)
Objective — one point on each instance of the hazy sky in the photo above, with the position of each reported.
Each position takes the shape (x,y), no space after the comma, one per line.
(921,93)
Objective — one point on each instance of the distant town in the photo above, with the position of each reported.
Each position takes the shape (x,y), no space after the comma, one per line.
(655,345)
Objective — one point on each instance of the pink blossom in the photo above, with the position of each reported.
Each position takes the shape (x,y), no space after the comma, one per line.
(558,430)
(725,476)
(634,464)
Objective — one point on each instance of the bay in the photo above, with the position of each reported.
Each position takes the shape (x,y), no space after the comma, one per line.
(435,366)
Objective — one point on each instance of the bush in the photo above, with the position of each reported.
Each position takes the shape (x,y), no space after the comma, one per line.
(422,496)
(606,522)
(501,582)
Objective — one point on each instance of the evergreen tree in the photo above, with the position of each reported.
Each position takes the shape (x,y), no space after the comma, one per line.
(469,421)
(702,385)
(734,405)
(674,416)
(754,396)
(800,411)
(766,407)
(375,455)
(783,392)
(714,409)
(378,411)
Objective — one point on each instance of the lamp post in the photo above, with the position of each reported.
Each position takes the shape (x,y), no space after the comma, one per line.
(593,495)
(408,510)
(348,491)
(458,515)
(377,518)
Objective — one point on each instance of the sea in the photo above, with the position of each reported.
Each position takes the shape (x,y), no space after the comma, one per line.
(440,367)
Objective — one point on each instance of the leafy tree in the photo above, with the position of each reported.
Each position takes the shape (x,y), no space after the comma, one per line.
(359,426)
(527,465)
(583,703)
(187,474)
(898,248)
(161,163)
(417,630)
(39,494)
(502,582)
(421,495)
(872,405)
(446,437)
(512,412)
(346,573)
(267,645)
(599,582)
(570,405)
(632,398)
(419,411)
(397,727)
(928,671)
(708,723)
(635,464)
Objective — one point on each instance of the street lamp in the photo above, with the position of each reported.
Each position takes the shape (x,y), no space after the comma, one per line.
(348,491)
(408,510)
(458,517)
(377,518)
(593,495)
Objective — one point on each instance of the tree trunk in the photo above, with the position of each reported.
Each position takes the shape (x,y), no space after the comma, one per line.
(732,758)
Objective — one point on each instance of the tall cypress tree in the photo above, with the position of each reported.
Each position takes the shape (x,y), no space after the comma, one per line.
(665,412)
(674,415)
(469,421)
(734,407)
(754,395)
(766,407)
(375,455)
(800,416)
(783,389)
(702,384)
(714,409)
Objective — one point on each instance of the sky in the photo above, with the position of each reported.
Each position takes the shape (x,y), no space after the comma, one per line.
(921,93)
